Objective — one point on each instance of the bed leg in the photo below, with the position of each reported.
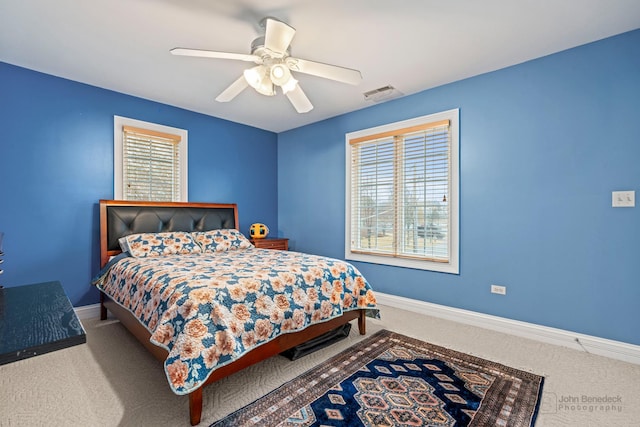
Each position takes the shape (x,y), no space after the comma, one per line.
(362,322)
(103,309)
(195,406)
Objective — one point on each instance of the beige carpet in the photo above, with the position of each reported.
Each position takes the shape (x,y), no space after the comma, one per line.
(113,381)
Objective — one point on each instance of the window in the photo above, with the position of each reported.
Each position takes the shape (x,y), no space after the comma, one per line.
(150,161)
(402,193)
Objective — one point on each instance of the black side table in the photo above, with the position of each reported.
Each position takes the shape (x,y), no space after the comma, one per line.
(36,319)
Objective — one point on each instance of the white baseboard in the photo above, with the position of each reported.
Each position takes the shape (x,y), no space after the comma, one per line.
(87,311)
(595,345)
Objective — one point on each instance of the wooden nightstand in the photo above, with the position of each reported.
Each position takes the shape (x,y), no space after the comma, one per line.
(274,243)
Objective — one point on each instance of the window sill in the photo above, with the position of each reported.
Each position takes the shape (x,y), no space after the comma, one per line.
(438,267)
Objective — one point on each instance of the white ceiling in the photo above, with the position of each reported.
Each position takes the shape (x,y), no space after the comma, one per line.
(123,45)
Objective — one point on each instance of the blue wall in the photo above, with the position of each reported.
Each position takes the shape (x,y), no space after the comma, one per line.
(56,162)
(542,146)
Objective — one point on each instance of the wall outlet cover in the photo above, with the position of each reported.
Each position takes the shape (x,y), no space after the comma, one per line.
(497,289)
(623,199)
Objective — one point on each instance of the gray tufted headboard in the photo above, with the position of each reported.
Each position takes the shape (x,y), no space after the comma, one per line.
(120,218)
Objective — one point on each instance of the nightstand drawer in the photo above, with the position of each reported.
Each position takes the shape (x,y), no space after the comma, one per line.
(276,243)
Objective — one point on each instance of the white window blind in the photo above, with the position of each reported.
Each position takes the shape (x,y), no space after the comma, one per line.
(150,161)
(151,165)
(400,193)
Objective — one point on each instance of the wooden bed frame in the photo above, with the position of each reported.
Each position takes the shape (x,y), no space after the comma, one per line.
(272,348)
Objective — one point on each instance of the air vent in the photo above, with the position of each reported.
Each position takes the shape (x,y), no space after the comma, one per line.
(382,94)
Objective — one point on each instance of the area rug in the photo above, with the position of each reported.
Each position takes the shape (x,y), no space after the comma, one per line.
(389,379)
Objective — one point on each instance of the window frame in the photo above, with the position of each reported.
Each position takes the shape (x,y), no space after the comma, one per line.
(453,264)
(118,153)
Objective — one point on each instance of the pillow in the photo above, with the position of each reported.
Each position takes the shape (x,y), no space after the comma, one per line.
(157,244)
(221,240)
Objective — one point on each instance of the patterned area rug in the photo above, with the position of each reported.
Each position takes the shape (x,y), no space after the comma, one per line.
(389,379)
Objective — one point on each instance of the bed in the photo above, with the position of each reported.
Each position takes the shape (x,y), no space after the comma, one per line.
(206,302)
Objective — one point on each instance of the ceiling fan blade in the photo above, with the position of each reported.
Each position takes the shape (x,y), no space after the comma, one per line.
(278,36)
(333,72)
(232,91)
(215,54)
(299,100)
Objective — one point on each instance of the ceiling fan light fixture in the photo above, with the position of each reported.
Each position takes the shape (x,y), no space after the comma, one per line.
(289,86)
(280,74)
(258,78)
(254,76)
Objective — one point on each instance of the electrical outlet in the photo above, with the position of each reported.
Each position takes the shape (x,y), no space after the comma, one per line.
(496,289)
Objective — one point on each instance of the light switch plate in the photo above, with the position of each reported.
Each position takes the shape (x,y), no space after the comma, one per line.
(623,199)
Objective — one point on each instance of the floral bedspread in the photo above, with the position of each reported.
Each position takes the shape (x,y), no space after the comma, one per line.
(208,309)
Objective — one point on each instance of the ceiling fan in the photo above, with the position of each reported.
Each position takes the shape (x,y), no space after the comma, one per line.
(271,53)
